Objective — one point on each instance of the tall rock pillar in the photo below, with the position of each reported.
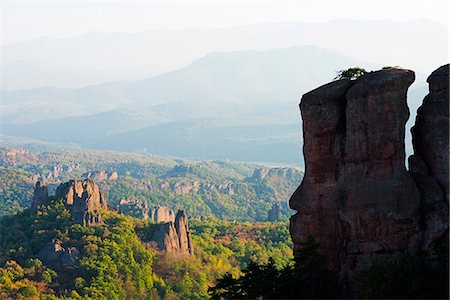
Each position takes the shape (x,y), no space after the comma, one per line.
(430,162)
(357,198)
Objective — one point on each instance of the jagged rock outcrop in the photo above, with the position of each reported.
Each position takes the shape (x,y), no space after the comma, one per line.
(162,214)
(40,195)
(430,162)
(357,198)
(227,187)
(134,207)
(84,199)
(184,235)
(12,156)
(174,236)
(261,173)
(181,186)
(53,254)
(100,176)
(273,215)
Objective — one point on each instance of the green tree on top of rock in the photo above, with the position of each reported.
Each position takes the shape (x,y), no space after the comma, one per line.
(351,73)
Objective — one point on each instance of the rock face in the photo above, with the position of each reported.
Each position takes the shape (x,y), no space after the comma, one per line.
(174,236)
(162,214)
(430,162)
(40,195)
(357,198)
(184,235)
(55,255)
(84,199)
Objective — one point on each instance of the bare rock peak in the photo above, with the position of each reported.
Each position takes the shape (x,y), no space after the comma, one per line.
(40,195)
(84,199)
(438,80)
(174,236)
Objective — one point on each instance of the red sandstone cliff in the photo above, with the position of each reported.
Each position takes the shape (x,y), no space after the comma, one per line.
(357,198)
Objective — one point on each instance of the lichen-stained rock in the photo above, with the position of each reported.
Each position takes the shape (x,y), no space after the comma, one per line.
(430,162)
(356,197)
(40,195)
(84,199)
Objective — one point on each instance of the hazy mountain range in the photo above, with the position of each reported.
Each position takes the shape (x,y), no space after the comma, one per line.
(99,57)
(237,105)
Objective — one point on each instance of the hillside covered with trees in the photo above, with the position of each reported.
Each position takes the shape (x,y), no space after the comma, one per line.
(111,262)
(133,182)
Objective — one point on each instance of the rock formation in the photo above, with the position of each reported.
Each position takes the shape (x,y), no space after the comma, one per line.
(227,187)
(357,198)
(84,199)
(273,215)
(430,162)
(162,214)
(134,207)
(184,235)
(174,236)
(100,176)
(53,254)
(261,173)
(40,195)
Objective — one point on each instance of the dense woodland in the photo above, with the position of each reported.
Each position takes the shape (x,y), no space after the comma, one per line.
(115,264)
(115,261)
(228,191)
(238,253)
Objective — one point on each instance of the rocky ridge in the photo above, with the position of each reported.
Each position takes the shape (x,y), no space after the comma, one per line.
(82,197)
(357,198)
(100,176)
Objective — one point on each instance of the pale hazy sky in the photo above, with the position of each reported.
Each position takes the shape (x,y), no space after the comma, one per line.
(23,20)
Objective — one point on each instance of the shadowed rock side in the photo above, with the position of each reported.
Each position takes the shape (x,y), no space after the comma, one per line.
(184,235)
(40,195)
(84,199)
(430,162)
(356,197)
(174,236)
(55,255)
